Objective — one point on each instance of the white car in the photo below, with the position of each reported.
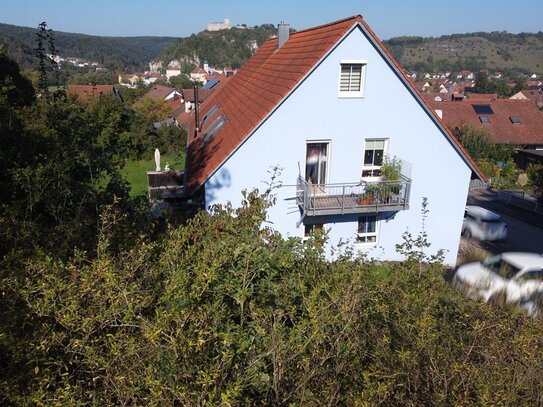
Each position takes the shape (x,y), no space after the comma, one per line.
(482,224)
(508,278)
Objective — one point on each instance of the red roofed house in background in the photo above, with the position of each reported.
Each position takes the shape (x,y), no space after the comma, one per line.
(162,93)
(329,105)
(92,92)
(507,121)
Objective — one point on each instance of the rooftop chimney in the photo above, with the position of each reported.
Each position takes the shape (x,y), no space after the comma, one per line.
(284,31)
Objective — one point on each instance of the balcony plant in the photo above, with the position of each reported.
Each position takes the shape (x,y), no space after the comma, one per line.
(368,196)
(391,169)
(391,174)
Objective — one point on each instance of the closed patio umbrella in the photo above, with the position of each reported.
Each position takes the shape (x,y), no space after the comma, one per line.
(157,159)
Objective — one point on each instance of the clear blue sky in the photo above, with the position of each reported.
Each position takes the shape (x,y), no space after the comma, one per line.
(180,18)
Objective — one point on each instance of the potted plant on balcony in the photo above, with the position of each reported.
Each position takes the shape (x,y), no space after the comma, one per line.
(391,169)
(367,197)
(370,194)
(391,175)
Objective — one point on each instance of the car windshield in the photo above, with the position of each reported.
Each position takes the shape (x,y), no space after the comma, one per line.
(501,267)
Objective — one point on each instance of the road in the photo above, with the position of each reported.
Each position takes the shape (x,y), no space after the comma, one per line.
(524,229)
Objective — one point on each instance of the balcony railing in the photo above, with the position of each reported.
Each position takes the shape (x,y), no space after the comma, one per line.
(165,184)
(352,198)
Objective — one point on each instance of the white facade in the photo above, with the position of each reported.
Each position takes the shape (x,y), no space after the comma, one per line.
(314,112)
(172,72)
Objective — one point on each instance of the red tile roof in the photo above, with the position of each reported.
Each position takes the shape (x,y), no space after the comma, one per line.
(203,94)
(265,80)
(481,97)
(528,132)
(158,92)
(536,96)
(86,92)
(176,105)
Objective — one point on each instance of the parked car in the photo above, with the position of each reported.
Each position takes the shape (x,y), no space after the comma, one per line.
(482,224)
(508,278)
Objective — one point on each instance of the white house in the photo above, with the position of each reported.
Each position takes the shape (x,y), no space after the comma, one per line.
(199,75)
(326,105)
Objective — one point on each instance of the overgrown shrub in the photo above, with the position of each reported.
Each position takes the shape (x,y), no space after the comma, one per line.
(226,312)
(535,176)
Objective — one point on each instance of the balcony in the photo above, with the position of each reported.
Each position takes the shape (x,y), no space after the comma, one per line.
(165,185)
(352,198)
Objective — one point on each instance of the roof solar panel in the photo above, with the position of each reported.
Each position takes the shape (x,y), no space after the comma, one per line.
(210,84)
(482,109)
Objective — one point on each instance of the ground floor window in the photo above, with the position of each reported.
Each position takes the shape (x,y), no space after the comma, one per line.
(312,229)
(367,229)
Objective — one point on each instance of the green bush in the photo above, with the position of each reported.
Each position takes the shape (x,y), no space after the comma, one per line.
(535,176)
(226,312)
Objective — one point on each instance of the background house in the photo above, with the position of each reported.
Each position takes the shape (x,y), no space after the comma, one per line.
(93,92)
(162,92)
(507,121)
(336,90)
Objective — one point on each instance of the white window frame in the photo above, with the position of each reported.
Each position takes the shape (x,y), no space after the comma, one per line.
(353,93)
(372,167)
(328,157)
(310,230)
(366,235)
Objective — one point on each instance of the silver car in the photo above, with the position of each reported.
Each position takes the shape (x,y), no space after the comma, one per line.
(482,224)
(508,278)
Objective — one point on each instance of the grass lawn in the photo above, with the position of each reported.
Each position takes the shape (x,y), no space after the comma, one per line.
(135,171)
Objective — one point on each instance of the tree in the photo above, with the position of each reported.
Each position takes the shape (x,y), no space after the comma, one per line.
(57,164)
(482,84)
(15,90)
(154,110)
(476,141)
(535,175)
(181,82)
(45,42)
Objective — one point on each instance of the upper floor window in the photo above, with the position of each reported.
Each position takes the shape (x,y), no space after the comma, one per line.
(374,152)
(352,78)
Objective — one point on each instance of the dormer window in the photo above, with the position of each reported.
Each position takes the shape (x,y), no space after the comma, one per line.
(352,78)
(515,119)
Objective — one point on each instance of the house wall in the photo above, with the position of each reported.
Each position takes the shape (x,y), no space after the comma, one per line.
(388,110)
(172,72)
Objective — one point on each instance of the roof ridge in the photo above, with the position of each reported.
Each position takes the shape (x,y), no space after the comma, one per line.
(356,17)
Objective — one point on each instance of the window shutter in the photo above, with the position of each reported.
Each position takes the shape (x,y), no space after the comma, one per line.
(351,77)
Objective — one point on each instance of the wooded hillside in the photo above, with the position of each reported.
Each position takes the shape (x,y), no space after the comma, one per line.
(117,53)
(495,51)
(221,48)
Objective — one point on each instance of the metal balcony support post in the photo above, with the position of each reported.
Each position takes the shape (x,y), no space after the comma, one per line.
(343,200)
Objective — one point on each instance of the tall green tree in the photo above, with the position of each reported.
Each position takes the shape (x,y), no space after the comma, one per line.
(45,46)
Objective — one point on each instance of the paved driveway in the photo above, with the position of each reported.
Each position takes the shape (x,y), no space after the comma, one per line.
(524,228)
